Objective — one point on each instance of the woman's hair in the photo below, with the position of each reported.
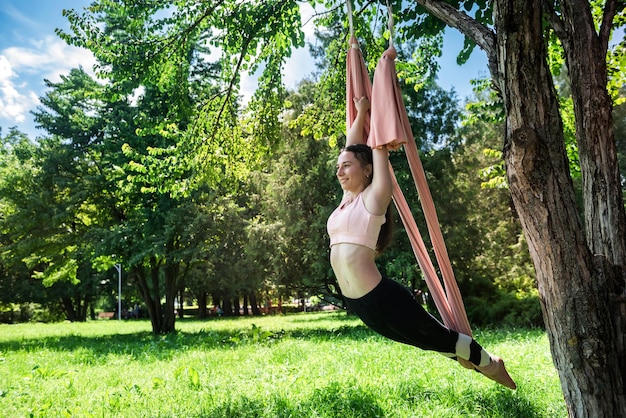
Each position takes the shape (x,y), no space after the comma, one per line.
(363,154)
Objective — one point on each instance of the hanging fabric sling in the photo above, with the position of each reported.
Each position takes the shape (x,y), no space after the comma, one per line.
(387,126)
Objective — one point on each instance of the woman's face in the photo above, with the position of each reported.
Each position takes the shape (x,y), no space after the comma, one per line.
(351,174)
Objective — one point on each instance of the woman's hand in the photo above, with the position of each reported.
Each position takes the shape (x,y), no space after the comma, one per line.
(356,134)
(362,105)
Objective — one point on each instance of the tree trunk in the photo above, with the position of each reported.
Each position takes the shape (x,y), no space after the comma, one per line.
(181,303)
(585,52)
(202,300)
(254,304)
(84,303)
(169,310)
(605,219)
(227,307)
(151,294)
(245,305)
(573,284)
(68,307)
(144,291)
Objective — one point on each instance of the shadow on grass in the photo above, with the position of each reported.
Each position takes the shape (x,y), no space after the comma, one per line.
(147,346)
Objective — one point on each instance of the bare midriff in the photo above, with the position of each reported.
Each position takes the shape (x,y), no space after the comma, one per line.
(354,268)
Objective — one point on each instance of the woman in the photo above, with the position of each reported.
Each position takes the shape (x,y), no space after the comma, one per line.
(358,230)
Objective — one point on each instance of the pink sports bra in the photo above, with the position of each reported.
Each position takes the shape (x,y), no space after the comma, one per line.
(352,223)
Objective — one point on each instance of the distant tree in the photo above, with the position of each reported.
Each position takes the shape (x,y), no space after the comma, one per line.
(17,284)
(175,120)
(49,199)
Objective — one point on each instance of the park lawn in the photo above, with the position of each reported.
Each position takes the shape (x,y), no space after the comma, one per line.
(299,365)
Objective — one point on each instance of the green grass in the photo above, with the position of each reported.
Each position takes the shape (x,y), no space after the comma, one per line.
(302,365)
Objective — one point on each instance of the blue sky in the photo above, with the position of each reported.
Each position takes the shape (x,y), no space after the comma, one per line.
(30,52)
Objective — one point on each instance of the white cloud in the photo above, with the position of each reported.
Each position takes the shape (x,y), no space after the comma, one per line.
(23,69)
(13,104)
(298,66)
(49,57)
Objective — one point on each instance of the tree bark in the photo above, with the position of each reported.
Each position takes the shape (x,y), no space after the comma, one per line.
(585,53)
(605,223)
(580,277)
(573,285)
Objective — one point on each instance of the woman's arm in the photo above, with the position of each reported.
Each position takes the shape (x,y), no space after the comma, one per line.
(355,133)
(379,192)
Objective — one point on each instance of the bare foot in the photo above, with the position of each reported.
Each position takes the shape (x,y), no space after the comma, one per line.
(496,371)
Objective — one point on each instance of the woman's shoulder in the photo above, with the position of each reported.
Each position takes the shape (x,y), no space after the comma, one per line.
(375,201)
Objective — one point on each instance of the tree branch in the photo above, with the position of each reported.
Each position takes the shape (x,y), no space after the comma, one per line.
(484,37)
(555,20)
(610,9)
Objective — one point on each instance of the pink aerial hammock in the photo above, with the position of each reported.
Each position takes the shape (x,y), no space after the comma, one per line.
(387,126)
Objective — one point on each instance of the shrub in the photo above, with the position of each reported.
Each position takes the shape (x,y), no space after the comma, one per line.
(514,309)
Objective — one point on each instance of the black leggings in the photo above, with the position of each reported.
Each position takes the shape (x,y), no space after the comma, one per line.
(391,310)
